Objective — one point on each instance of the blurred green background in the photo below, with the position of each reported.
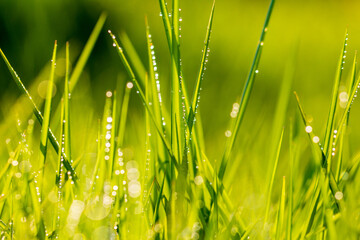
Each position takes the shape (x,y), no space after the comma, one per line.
(28,30)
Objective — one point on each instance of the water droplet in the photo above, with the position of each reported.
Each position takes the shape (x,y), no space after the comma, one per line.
(339,195)
(129,85)
(316,139)
(228,133)
(308,129)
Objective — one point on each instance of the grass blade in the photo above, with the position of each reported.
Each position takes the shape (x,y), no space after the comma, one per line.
(281,213)
(271,183)
(86,52)
(46,121)
(246,93)
(196,95)
(67,136)
(330,120)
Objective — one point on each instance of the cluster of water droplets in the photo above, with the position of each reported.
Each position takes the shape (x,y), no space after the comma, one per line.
(333,149)
(114,41)
(156,76)
(191,232)
(344,55)
(147,166)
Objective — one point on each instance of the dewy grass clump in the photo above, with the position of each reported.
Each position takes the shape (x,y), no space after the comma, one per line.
(168,188)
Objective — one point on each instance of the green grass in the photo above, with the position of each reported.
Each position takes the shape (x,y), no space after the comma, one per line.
(134,176)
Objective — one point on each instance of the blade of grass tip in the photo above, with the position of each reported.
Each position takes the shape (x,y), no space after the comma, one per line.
(330,120)
(46,121)
(246,93)
(271,183)
(315,139)
(67,138)
(86,52)
(38,114)
(141,93)
(280,221)
(204,59)
(123,114)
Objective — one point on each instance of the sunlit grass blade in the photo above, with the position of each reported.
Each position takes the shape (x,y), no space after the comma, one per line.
(123,114)
(353,93)
(245,94)
(330,120)
(315,140)
(175,86)
(46,121)
(166,21)
(86,52)
(67,135)
(196,95)
(271,182)
(38,114)
(155,91)
(112,120)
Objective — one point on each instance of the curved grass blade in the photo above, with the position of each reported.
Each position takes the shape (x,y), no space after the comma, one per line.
(38,115)
(195,99)
(245,94)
